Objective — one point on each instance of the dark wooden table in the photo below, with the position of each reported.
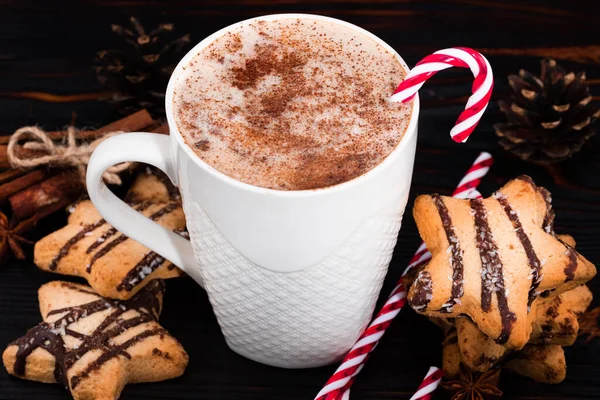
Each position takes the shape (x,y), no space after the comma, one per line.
(46,57)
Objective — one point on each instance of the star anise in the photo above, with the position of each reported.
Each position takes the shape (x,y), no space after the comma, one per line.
(11,239)
(474,385)
(589,324)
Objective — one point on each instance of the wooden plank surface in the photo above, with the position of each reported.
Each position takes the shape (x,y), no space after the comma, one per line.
(46,59)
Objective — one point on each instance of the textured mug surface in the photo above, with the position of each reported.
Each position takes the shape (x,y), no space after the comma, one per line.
(293,276)
(299,319)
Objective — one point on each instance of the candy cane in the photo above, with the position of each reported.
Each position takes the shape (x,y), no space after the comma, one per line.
(429,384)
(462,57)
(338,386)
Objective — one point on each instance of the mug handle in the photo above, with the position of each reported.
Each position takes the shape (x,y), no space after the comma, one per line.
(148,148)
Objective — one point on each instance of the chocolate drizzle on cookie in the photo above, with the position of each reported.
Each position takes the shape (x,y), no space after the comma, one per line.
(119,350)
(50,335)
(83,233)
(121,238)
(106,235)
(456,260)
(572,266)
(112,231)
(71,242)
(145,267)
(104,251)
(492,278)
(40,336)
(532,258)
(548,224)
(423,291)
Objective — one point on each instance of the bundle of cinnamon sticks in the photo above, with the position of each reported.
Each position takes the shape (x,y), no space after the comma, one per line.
(35,194)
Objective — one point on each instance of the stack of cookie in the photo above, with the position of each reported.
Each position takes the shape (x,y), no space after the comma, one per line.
(504,287)
(94,340)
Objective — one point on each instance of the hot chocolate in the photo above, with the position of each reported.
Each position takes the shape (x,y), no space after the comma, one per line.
(291,104)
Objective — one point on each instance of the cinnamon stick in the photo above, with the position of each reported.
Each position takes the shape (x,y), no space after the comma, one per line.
(4,164)
(42,213)
(58,189)
(162,129)
(10,175)
(18,184)
(134,122)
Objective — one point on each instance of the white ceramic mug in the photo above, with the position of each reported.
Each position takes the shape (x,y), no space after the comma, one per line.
(293,276)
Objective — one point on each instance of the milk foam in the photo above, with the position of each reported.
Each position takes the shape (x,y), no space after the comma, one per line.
(292,104)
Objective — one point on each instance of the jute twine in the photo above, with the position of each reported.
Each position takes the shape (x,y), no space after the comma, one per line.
(69,154)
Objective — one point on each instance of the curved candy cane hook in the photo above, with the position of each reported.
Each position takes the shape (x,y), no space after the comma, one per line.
(462,57)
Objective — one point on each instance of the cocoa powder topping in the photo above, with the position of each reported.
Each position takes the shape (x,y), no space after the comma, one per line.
(294,104)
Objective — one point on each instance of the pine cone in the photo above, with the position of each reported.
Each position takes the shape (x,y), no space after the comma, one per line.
(138,72)
(550,117)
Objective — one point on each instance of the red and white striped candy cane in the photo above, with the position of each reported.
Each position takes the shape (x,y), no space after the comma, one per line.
(463,57)
(429,384)
(338,386)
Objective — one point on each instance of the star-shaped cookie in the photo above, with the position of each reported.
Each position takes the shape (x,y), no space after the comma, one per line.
(114,265)
(491,258)
(554,322)
(95,346)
